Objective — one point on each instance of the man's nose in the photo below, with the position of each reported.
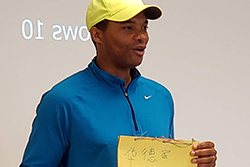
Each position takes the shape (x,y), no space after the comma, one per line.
(142,36)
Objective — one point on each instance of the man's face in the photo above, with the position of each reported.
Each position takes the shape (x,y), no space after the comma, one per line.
(124,43)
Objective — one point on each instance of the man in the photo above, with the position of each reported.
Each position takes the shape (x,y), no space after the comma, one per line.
(79,120)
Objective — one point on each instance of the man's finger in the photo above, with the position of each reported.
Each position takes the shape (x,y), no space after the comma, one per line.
(203,145)
(204,152)
(205,160)
(206,165)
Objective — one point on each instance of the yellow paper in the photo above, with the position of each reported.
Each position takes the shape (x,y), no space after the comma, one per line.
(154,152)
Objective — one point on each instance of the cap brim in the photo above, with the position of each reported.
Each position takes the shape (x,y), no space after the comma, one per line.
(151,12)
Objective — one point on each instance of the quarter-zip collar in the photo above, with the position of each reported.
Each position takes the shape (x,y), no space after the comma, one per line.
(109,80)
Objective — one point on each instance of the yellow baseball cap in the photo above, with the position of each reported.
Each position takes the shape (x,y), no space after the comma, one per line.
(118,10)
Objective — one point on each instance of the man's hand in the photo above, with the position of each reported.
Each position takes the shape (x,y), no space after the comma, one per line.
(206,154)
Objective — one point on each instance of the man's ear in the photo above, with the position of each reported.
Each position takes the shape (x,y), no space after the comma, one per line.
(96,35)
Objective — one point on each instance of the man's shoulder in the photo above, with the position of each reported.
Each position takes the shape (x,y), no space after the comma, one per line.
(151,84)
(68,87)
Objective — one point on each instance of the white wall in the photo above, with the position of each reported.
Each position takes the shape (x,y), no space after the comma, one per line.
(198,49)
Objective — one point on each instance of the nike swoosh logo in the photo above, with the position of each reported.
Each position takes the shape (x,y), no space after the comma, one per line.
(147,97)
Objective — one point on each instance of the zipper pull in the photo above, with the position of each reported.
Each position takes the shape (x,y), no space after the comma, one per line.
(126,94)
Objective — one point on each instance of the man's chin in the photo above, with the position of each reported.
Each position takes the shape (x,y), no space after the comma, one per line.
(137,64)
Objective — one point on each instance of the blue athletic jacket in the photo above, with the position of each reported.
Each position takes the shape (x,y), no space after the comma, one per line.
(79,120)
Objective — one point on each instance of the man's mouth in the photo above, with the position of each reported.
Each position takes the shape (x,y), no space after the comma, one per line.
(140,50)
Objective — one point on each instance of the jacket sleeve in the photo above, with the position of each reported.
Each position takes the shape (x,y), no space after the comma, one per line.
(47,142)
(171,126)
(171,118)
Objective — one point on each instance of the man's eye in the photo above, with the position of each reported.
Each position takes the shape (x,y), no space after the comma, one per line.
(128,28)
(145,27)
